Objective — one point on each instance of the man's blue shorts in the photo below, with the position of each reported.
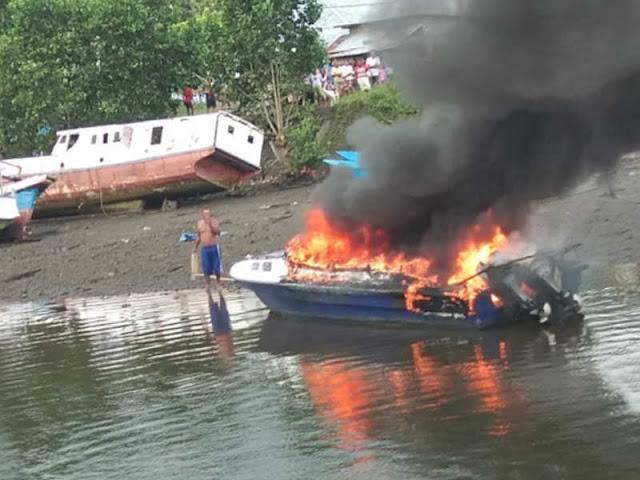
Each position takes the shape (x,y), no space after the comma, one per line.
(211,259)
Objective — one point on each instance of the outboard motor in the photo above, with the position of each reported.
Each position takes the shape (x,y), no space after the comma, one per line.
(535,291)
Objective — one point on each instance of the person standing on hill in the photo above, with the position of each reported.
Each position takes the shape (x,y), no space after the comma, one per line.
(329,89)
(336,73)
(208,231)
(348,77)
(362,74)
(316,83)
(187,99)
(211,99)
(374,64)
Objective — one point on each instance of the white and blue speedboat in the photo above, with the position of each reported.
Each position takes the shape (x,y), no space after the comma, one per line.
(515,293)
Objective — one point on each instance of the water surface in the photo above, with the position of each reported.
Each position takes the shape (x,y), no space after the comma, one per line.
(138,387)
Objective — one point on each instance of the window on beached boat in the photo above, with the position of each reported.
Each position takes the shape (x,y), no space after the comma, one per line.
(156,135)
(94,139)
(231,129)
(127,135)
(105,138)
(116,137)
(63,139)
(266,267)
(250,139)
(72,140)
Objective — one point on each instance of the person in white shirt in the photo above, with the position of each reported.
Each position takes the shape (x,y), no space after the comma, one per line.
(316,83)
(348,75)
(374,63)
(329,89)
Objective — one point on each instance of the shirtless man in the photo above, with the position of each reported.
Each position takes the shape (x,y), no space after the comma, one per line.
(208,230)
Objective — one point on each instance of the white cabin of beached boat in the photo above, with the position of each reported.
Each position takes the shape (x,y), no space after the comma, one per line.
(108,145)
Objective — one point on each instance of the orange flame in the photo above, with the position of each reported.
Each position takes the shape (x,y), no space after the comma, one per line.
(328,247)
(474,256)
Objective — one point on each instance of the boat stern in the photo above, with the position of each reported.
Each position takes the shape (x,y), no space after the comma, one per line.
(268,269)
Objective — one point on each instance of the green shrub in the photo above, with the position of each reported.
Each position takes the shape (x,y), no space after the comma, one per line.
(308,144)
(306,148)
(382,102)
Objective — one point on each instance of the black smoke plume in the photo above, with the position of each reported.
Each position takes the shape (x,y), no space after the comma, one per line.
(522,100)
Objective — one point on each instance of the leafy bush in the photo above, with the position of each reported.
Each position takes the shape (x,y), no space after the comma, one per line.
(306,147)
(382,102)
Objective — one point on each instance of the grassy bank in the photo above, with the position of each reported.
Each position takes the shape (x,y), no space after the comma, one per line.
(320,131)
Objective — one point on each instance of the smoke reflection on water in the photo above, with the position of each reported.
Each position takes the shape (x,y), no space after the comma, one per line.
(139,387)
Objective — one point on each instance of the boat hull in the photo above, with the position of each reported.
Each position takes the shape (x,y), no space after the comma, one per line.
(20,197)
(383,308)
(202,171)
(25,201)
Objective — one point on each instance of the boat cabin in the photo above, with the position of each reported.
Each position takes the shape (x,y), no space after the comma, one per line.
(108,145)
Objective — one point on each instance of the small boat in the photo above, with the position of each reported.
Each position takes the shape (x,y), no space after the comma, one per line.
(20,196)
(9,212)
(516,293)
(158,158)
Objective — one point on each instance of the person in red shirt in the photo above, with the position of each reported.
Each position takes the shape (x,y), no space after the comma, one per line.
(362,74)
(187,99)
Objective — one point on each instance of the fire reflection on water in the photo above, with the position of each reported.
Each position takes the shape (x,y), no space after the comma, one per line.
(342,393)
(346,393)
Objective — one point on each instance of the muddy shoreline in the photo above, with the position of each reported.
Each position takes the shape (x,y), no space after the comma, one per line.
(98,255)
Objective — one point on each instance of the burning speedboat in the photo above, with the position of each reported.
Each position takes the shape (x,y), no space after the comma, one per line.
(396,289)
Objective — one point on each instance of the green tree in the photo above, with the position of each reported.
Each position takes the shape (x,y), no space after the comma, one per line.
(259,51)
(78,62)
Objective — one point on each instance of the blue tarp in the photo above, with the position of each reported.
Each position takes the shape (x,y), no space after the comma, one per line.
(350,159)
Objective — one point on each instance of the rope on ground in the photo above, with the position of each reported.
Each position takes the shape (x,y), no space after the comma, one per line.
(104,211)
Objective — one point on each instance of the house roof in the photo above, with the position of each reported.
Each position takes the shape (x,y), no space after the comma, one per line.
(340,15)
(364,42)
(351,45)
(337,13)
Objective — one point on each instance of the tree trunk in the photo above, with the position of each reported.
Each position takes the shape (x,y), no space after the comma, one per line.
(278,122)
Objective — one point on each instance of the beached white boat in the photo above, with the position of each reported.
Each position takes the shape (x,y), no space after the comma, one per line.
(161,158)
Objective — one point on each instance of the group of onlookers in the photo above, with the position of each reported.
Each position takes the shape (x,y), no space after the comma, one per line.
(336,79)
(343,76)
(206,89)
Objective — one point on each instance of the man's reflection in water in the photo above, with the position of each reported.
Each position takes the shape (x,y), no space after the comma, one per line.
(221,326)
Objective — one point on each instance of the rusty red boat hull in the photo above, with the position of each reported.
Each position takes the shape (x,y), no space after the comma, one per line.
(194,172)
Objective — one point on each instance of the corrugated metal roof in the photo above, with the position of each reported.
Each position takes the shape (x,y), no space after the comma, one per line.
(351,45)
(364,42)
(339,14)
